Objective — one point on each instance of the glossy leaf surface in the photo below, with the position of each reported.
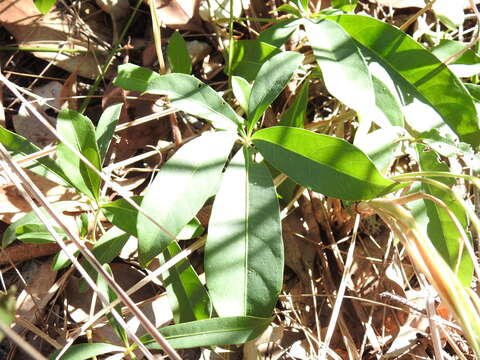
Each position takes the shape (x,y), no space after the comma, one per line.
(185,92)
(244,250)
(79,132)
(216,331)
(187,296)
(180,189)
(323,163)
(419,74)
(271,79)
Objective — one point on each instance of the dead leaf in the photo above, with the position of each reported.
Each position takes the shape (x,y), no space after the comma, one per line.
(21,252)
(68,91)
(56,30)
(118,9)
(179,14)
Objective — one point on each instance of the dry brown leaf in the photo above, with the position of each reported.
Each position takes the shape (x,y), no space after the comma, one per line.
(401,4)
(68,91)
(56,30)
(21,252)
(179,14)
(13,206)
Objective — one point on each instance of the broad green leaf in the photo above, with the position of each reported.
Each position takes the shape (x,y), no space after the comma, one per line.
(187,296)
(31,218)
(44,6)
(241,89)
(466,65)
(345,5)
(61,259)
(87,351)
(279,33)
(436,222)
(180,189)
(79,132)
(419,75)
(344,69)
(474,91)
(244,249)
(186,93)
(178,56)
(271,79)
(381,146)
(123,215)
(216,331)
(44,166)
(106,128)
(323,163)
(295,114)
(248,57)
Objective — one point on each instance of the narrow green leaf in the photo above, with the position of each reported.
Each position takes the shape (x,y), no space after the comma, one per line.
(436,222)
(248,57)
(106,128)
(466,65)
(178,56)
(79,132)
(474,90)
(44,6)
(188,298)
(344,69)
(244,249)
(192,230)
(419,75)
(217,331)
(450,13)
(241,89)
(295,115)
(271,79)
(186,93)
(323,163)
(279,33)
(289,9)
(44,166)
(61,259)
(87,351)
(390,109)
(123,215)
(180,189)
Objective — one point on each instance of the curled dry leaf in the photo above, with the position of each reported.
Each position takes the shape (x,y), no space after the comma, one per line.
(58,31)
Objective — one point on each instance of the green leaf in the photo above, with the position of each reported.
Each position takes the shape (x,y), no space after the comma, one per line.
(44,166)
(87,351)
(241,89)
(123,215)
(187,296)
(345,5)
(180,189)
(289,9)
(244,249)
(192,230)
(419,75)
(344,69)
(217,331)
(450,13)
(390,110)
(323,163)
(79,132)
(248,57)
(467,65)
(279,33)
(31,218)
(436,222)
(186,93)
(7,307)
(106,128)
(35,234)
(271,79)
(178,56)
(474,91)
(295,115)
(61,260)
(44,6)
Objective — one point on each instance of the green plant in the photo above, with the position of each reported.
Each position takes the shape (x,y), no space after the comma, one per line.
(386,77)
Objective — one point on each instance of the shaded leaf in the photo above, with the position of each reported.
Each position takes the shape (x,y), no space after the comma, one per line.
(248,57)
(271,79)
(106,128)
(79,132)
(180,189)
(244,249)
(280,32)
(87,350)
(241,89)
(187,296)
(390,109)
(177,54)
(216,331)
(323,163)
(186,93)
(295,114)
